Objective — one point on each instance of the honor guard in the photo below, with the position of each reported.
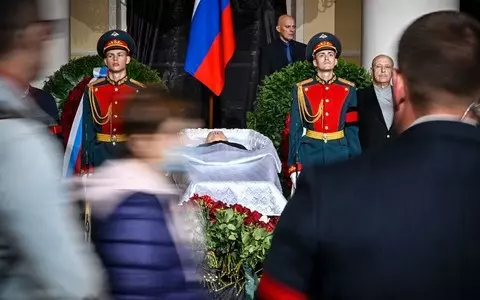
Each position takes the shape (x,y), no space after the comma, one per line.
(323,118)
(105,99)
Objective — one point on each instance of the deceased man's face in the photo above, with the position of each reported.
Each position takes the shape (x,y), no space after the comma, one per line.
(215,136)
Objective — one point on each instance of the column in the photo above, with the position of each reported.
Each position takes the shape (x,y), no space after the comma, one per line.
(57,49)
(385,20)
(299,20)
(117,15)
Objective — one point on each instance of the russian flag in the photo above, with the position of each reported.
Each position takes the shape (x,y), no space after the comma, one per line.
(211,44)
(71,158)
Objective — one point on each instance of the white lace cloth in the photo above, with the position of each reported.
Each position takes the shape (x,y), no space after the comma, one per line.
(263,197)
(247,177)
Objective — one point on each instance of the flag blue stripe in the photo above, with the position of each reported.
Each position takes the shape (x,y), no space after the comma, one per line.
(204,29)
(75,151)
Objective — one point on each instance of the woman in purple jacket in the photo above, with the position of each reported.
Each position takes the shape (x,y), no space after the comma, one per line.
(138,229)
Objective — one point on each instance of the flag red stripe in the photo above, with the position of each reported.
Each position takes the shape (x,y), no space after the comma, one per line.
(211,71)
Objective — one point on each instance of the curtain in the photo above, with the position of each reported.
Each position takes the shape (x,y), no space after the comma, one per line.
(268,14)
(161,30)
(143,24)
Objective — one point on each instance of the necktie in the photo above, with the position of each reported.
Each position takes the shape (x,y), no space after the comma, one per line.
(289,53)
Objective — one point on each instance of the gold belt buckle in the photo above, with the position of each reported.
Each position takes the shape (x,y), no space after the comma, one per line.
(114,139)
(325,138)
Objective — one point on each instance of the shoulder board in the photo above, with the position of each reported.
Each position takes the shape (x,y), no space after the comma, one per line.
(137,83)
(99,80)
(346,82)
(304,82)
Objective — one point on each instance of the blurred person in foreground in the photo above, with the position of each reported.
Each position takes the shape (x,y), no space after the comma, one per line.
(407,225)
(139,230)
(42,253)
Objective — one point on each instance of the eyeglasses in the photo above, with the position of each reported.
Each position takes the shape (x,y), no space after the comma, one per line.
(474,107)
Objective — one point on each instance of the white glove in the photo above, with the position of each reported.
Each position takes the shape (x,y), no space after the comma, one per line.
(293,177)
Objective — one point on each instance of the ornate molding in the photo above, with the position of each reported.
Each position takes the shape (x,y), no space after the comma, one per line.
(323,5)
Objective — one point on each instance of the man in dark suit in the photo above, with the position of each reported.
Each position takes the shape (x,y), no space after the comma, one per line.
(47,104)
(403,223)
(375,106)
(282,51)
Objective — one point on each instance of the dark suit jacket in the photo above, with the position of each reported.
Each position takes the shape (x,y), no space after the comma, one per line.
(273,56)
(235,145)
(373,131)
(402,223)
(46,102)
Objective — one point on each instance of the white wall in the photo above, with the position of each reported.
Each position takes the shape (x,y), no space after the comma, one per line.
(385,20)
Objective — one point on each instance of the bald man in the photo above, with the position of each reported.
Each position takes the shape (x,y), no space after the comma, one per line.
(375,106)
(282,51)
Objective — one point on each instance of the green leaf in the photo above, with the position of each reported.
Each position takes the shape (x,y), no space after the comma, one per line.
(258,233)
(228,214)
(231,227)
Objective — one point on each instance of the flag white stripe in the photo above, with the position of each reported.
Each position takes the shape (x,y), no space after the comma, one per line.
(197,2)
(68,161)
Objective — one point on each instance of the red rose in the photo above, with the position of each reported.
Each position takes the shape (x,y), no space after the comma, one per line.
(202,200)
(256,215)
(269,227)
(241,209)
(274,221)
(215,207)
(252,218)
(207,201)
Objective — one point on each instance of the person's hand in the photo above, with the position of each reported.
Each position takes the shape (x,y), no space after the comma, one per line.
(293,178)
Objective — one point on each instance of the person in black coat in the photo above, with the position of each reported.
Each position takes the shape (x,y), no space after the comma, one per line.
(46,102)
(48,105)
(283,51)
(400,222)
(375,106)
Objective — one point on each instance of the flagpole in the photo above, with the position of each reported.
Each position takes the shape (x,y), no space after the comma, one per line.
(210,111)
(207,61)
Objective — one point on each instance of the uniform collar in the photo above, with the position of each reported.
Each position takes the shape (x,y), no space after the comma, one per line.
(320,80)
(119,82)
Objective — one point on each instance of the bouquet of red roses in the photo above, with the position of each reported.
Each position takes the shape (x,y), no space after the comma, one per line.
(236,237)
